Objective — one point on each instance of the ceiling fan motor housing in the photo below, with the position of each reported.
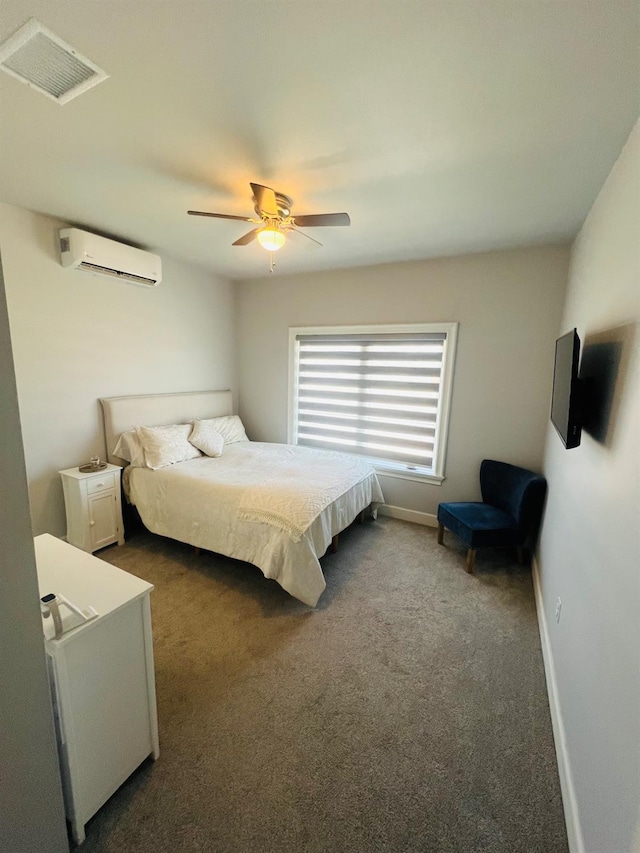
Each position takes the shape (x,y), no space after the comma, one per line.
(283,202)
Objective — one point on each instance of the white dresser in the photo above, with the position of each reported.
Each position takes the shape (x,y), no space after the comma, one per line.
(102,675)
(94,508)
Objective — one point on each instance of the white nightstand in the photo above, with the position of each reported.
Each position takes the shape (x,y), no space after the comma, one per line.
(94,508)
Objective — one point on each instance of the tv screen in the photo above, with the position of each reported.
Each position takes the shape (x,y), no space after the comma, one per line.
(566,402)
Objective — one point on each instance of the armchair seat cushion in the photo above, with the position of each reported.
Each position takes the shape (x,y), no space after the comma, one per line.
(480,525)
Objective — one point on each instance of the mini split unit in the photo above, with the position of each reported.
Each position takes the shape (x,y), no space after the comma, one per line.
(101,256)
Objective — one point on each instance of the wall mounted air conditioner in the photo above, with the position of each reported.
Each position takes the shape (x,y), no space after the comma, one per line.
(101,256)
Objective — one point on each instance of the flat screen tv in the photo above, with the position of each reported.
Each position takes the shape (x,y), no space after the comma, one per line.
(566,402)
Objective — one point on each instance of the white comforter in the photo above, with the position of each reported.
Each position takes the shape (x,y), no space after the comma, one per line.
(274,505)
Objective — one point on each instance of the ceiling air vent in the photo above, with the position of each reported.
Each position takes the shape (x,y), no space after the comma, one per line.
(36,56)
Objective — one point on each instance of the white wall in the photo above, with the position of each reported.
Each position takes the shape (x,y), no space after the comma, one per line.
(78,337)
(590,542)
(508,305)
(31,807)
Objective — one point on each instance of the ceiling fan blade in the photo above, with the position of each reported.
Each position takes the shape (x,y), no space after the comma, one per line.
(265,200)
(302,234)
(315,219)
(219,215)
(247,238)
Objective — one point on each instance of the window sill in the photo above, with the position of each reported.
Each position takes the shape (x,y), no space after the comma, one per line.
(403,473)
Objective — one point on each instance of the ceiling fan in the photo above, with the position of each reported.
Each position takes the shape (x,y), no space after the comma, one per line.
(276,220)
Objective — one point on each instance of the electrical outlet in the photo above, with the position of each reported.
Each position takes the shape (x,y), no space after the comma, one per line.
(558,609)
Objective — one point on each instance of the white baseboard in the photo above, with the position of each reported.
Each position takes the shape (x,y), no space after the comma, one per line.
(412,515)
(569,801)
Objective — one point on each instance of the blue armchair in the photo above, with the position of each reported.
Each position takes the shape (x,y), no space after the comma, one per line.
(508,515)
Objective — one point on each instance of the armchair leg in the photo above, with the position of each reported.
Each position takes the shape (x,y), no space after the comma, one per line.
(440,534)
(471,556)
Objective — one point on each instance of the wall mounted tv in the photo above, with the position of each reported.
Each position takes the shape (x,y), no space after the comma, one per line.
(566,402)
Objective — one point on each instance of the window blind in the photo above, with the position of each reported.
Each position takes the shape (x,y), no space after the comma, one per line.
(376,395)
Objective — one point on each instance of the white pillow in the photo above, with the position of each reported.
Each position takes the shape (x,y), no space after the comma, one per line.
(206,438)
(230,427)
(166,445)
(130,449)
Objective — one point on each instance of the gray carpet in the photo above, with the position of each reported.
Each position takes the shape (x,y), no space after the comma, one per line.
(408,712)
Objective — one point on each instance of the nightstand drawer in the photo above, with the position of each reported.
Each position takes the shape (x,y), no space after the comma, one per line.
(102,483)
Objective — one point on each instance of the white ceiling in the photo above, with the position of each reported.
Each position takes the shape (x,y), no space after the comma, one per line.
(441,126)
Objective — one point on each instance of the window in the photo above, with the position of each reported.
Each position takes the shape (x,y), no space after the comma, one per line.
(379,391)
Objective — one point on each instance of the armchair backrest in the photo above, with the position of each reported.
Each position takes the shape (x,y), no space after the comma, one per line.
(515,490)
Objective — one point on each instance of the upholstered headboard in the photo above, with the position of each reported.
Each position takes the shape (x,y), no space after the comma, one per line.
(123,413)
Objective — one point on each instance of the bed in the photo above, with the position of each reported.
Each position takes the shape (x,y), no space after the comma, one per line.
(276,506)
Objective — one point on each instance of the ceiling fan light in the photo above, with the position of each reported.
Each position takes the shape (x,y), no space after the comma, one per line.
(271,239)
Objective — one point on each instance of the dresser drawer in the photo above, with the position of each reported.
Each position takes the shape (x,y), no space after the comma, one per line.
(102,483)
